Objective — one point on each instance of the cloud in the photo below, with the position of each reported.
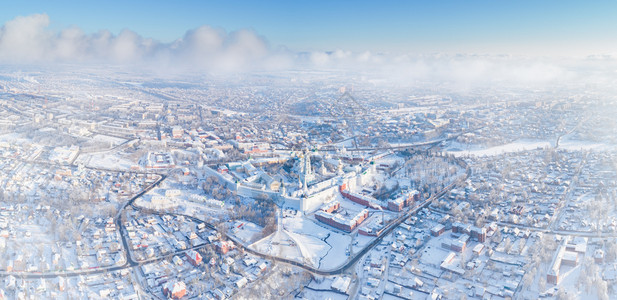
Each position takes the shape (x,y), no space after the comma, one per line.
(461,71)
(211,48)
(70,44)
(26,39)
(29,40)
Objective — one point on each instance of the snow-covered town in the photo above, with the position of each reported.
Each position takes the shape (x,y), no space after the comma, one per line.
(309,150)
(126,193)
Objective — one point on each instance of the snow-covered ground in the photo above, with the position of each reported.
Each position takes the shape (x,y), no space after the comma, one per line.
(280,244)
(246,231)
(319,295)
(104,160)
(520,145)
(458,149)
(306,240)
(108,139)
(576,145)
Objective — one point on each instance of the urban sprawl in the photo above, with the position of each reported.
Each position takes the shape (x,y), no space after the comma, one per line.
(303,185)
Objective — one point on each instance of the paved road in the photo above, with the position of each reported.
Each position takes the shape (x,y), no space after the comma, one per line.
(371,245)
(130,262)
(567,195)
(97,270)
(118,218)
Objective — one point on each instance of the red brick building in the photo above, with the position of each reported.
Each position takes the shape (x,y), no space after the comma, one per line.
(194,257)
(174,290)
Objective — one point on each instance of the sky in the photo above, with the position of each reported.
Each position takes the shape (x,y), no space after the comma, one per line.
(456,40)
(526,27)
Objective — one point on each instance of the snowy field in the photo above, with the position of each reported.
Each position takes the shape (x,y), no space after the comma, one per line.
(246,231)
(576,145)
(320,295)
(280,244)
(307,241)
(520,145)
(332,254)
(104,160)
(108,139)
(347,143)
(458,149)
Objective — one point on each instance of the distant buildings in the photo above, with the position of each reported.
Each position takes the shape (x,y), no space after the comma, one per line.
(159,160)
(65,155)
(177,132)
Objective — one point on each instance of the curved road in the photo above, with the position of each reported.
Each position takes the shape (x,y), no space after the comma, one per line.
(130,262)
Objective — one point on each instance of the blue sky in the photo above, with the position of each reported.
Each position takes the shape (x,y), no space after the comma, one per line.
(528,27)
